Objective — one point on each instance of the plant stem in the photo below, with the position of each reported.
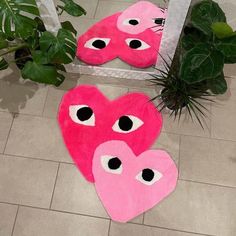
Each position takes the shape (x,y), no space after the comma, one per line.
(12,49)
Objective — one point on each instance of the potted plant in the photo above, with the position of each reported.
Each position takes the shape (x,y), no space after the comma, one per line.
(39,54)
(196,73)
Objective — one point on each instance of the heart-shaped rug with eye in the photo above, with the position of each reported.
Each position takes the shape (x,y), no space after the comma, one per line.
(87,119)
(129,185)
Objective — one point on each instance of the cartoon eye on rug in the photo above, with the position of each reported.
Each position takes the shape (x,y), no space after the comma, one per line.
(141,16)
(87,118)
(104,42)
(129,185)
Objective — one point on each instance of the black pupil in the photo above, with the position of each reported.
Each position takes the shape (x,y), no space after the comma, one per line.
(135,44)
(114,163)
(133,22)
(148,175)
(84,113)
(99,44)
(125,123)
(159,21)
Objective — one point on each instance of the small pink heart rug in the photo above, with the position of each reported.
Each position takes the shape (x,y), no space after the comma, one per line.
(129,185)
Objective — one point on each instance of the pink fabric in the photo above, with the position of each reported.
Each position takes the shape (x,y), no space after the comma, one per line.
(122,193)
(117,45)
(82,140)
(145,13)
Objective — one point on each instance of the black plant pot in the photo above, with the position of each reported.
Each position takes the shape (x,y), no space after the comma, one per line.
(22,56)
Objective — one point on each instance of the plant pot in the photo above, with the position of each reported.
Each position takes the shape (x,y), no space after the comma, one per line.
(169,106)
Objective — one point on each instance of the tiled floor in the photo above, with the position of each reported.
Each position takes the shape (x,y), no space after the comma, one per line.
(43,194)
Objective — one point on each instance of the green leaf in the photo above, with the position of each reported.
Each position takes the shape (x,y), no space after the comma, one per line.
(61,48)
(201,63)
(68,26)
(40,57)
(217,85)
(230,60)
(205,13)
(227,46)
(222,30)
(72,8)
(3,64)
(192,37)
(13,13)
(46,74)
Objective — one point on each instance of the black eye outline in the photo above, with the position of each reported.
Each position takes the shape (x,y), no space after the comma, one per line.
(87,119)
(127,21)
(161,23)
(90,43)
(136,123)
(114,168)
(156,176)
(143,46)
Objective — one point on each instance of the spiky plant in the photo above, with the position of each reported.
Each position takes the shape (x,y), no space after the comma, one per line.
(176,94)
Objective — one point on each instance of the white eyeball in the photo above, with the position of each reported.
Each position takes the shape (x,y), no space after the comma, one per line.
(111,164)
(136,44)
(131,21)
(127,124)
(97,43)
(82,114)
(148,176)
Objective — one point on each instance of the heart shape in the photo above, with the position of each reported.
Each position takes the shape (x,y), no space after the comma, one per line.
(87,118)
(104,42)
(141,16)
(129,185)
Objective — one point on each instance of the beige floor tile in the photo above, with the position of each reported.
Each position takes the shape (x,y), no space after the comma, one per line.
(141,230)
(26,181)
(74,194)
(36,222)
(52,102)
(112,92)
(37,137)
(186,125)
(224,116)
(22,97)
(199,208)
(208,160)
(170,143)
(5,125)
(107,8)
(7,218)
(230,69)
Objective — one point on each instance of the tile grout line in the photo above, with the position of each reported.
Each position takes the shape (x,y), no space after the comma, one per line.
(13,228)
(179,157)
(44,105)
(34,158)
(95,12)
(8,135)
(99,217)
(109,228)
(54,186)
(177,230)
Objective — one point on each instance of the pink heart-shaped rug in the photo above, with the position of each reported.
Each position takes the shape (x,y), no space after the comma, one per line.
(129,185)
(87,118)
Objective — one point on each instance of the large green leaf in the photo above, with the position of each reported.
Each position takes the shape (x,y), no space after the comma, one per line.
(46,74)
(205,13)
(222,30)
(68,26)
(227,46)
(60,48)
(201,63)
(217,85)
(192,37)
(72,8)
(3,64)
(14,17)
